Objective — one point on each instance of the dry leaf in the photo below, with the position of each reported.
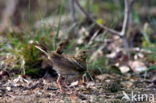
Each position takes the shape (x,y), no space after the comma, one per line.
(8,88)
(124,69)
(137,66)
(73,84)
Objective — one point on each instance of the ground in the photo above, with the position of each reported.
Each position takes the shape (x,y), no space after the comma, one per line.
(105,88)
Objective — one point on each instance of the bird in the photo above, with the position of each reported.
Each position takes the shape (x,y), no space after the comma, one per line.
(69,67)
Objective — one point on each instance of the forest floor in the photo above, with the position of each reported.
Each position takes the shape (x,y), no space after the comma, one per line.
(106,88)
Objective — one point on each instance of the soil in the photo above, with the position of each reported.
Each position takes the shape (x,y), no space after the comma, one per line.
(105,88)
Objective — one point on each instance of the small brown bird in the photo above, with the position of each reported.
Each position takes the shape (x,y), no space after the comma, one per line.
(69,67)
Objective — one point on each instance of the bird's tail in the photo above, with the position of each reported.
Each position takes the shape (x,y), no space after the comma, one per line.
(46,53)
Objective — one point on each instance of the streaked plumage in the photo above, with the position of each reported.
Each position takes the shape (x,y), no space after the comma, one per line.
(67,66)
(71,67)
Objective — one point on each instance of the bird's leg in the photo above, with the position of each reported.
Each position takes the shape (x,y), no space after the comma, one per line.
(59,82)
(84,78)
(65,83)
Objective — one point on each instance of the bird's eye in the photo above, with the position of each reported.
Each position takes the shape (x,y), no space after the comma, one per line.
(84,52)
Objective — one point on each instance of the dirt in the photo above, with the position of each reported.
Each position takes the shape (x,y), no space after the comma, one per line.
(105,88)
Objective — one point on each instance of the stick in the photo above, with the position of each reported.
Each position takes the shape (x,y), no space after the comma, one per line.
(125,21)
(43,51)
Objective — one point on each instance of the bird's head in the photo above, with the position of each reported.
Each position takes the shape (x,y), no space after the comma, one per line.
(82,54)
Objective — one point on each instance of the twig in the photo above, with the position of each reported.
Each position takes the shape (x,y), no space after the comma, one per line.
(127,12)
(93,37)
(107,29)
(39,48)
(125,22)
(126,18)
(84,12)
(88,16)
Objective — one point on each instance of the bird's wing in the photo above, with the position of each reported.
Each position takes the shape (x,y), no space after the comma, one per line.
(66,63)
(80,66)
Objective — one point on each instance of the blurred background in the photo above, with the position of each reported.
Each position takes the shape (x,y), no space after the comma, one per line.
(27,12)
(24,23)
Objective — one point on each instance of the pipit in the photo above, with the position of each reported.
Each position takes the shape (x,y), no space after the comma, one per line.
(67,66)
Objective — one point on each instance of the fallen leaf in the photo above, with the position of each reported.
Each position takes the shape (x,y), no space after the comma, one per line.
(124,69)
(73,84)
(137,66)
